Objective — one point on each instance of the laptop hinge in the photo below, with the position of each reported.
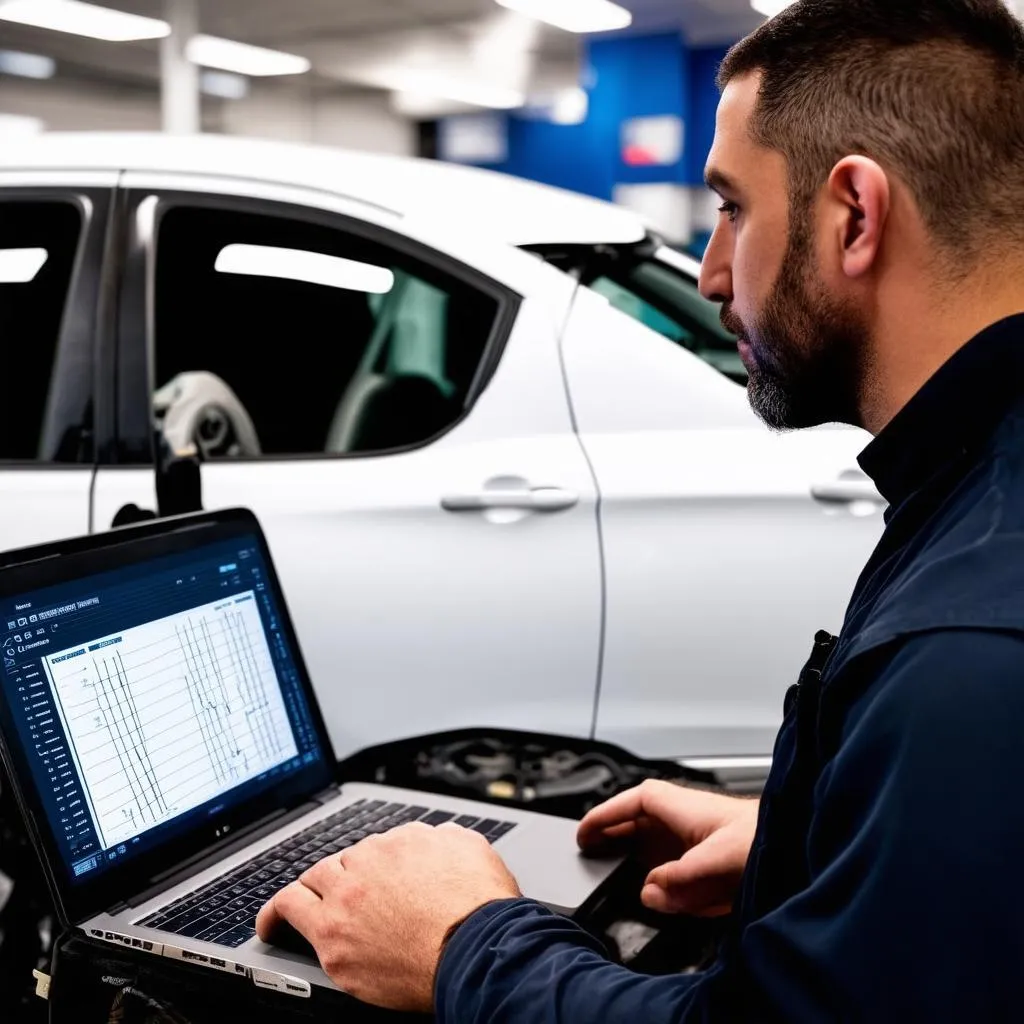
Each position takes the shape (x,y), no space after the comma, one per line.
(214,854)
(327,795)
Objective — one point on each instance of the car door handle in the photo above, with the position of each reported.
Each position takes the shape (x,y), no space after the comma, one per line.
(847,491)
(537,499)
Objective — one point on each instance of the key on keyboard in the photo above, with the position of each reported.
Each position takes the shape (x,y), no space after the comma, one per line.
(224,911)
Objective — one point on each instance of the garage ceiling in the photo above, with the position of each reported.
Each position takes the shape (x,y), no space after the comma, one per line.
(343,37)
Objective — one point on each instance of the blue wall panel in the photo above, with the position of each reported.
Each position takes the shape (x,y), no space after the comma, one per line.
(703,108)
(640,77)
(569,156)
(631,77)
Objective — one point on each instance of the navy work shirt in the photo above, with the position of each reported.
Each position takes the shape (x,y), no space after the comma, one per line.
(886,878)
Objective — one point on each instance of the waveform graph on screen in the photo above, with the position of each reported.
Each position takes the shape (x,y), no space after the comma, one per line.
(168,715)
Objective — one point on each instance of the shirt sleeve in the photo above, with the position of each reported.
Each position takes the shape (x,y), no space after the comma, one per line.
(914,908)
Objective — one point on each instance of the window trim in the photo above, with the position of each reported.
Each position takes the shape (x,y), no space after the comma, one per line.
(144,207)
(589,263)
(78,336)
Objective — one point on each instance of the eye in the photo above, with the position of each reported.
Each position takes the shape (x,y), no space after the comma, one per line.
(730,209)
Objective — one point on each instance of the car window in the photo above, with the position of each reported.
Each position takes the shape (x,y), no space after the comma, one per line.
(668,302)
(38,244)
(279,337)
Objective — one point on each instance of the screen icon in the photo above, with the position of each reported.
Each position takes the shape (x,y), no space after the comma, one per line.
(33,618)
(17,638)
(28,634)
(22,622)
(12,625)
(8,663)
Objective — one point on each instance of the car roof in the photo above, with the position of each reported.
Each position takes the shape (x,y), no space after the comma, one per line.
(512,209)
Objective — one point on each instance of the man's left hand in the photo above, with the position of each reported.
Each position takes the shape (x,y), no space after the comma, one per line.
(377,914)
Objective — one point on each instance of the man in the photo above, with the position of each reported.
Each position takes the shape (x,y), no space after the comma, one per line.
(870,256)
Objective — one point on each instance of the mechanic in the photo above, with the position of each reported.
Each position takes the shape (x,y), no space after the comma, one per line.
(870,255)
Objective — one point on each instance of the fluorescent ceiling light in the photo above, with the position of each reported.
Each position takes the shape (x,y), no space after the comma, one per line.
(769,8)
(243,59)
(470,91)
(27,65)
(224,85)
(574,15)
(570,106)
(83,19)
(301,265)
(19,266)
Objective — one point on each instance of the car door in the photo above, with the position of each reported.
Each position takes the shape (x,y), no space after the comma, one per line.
(726,546)
(399,424)
(51,250)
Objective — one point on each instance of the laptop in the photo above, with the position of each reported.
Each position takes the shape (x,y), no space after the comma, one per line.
(170,758)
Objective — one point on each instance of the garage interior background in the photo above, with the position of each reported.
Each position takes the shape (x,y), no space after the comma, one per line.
(625,112)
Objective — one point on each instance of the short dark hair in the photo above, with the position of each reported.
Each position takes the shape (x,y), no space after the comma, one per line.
(931,89)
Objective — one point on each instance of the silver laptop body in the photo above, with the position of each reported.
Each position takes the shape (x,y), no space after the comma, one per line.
(169,754)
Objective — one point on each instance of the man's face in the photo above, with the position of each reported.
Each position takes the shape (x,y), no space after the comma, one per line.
(800,339)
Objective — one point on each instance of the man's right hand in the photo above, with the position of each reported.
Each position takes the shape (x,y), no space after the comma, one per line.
(696,843)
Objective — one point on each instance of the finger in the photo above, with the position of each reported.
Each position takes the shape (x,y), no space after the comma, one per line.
(716,857)
(383,844)
(323,875)
(652,799)
(700,882)
(295,904)
(619,811)
(655,898)
(462,834)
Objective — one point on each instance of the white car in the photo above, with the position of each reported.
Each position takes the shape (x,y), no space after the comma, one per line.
(491,429)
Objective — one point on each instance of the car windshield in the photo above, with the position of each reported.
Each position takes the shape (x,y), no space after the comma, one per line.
(667,301)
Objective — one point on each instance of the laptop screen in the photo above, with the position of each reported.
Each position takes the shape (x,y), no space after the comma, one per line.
(152,698)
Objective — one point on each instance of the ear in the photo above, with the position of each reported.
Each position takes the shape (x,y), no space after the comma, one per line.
(858,191)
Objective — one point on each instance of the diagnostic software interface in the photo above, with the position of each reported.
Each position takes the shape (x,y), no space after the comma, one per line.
(148,696)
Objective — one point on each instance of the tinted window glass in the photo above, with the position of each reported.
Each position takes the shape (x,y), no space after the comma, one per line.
(668,302)
(282,337)
(38,244)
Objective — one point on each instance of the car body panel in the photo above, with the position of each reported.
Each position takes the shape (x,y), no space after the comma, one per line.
(499,206)
(412,617)
(719,563)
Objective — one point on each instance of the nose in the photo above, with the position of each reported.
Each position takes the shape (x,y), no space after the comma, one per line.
(716,270)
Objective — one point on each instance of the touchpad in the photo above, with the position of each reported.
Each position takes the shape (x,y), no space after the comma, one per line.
(288,940)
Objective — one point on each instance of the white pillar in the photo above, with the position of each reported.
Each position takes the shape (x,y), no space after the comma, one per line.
(179,77)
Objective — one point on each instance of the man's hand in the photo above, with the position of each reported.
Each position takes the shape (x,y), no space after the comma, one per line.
(697,843)
(378,913)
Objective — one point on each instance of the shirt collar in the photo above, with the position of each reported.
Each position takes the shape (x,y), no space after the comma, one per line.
(957,409)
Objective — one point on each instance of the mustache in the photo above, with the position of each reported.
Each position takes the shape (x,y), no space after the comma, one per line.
(731,322)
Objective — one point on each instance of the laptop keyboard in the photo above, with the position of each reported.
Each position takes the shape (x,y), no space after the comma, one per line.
(224,911)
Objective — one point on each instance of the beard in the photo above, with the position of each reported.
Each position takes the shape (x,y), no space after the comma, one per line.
(806,347)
